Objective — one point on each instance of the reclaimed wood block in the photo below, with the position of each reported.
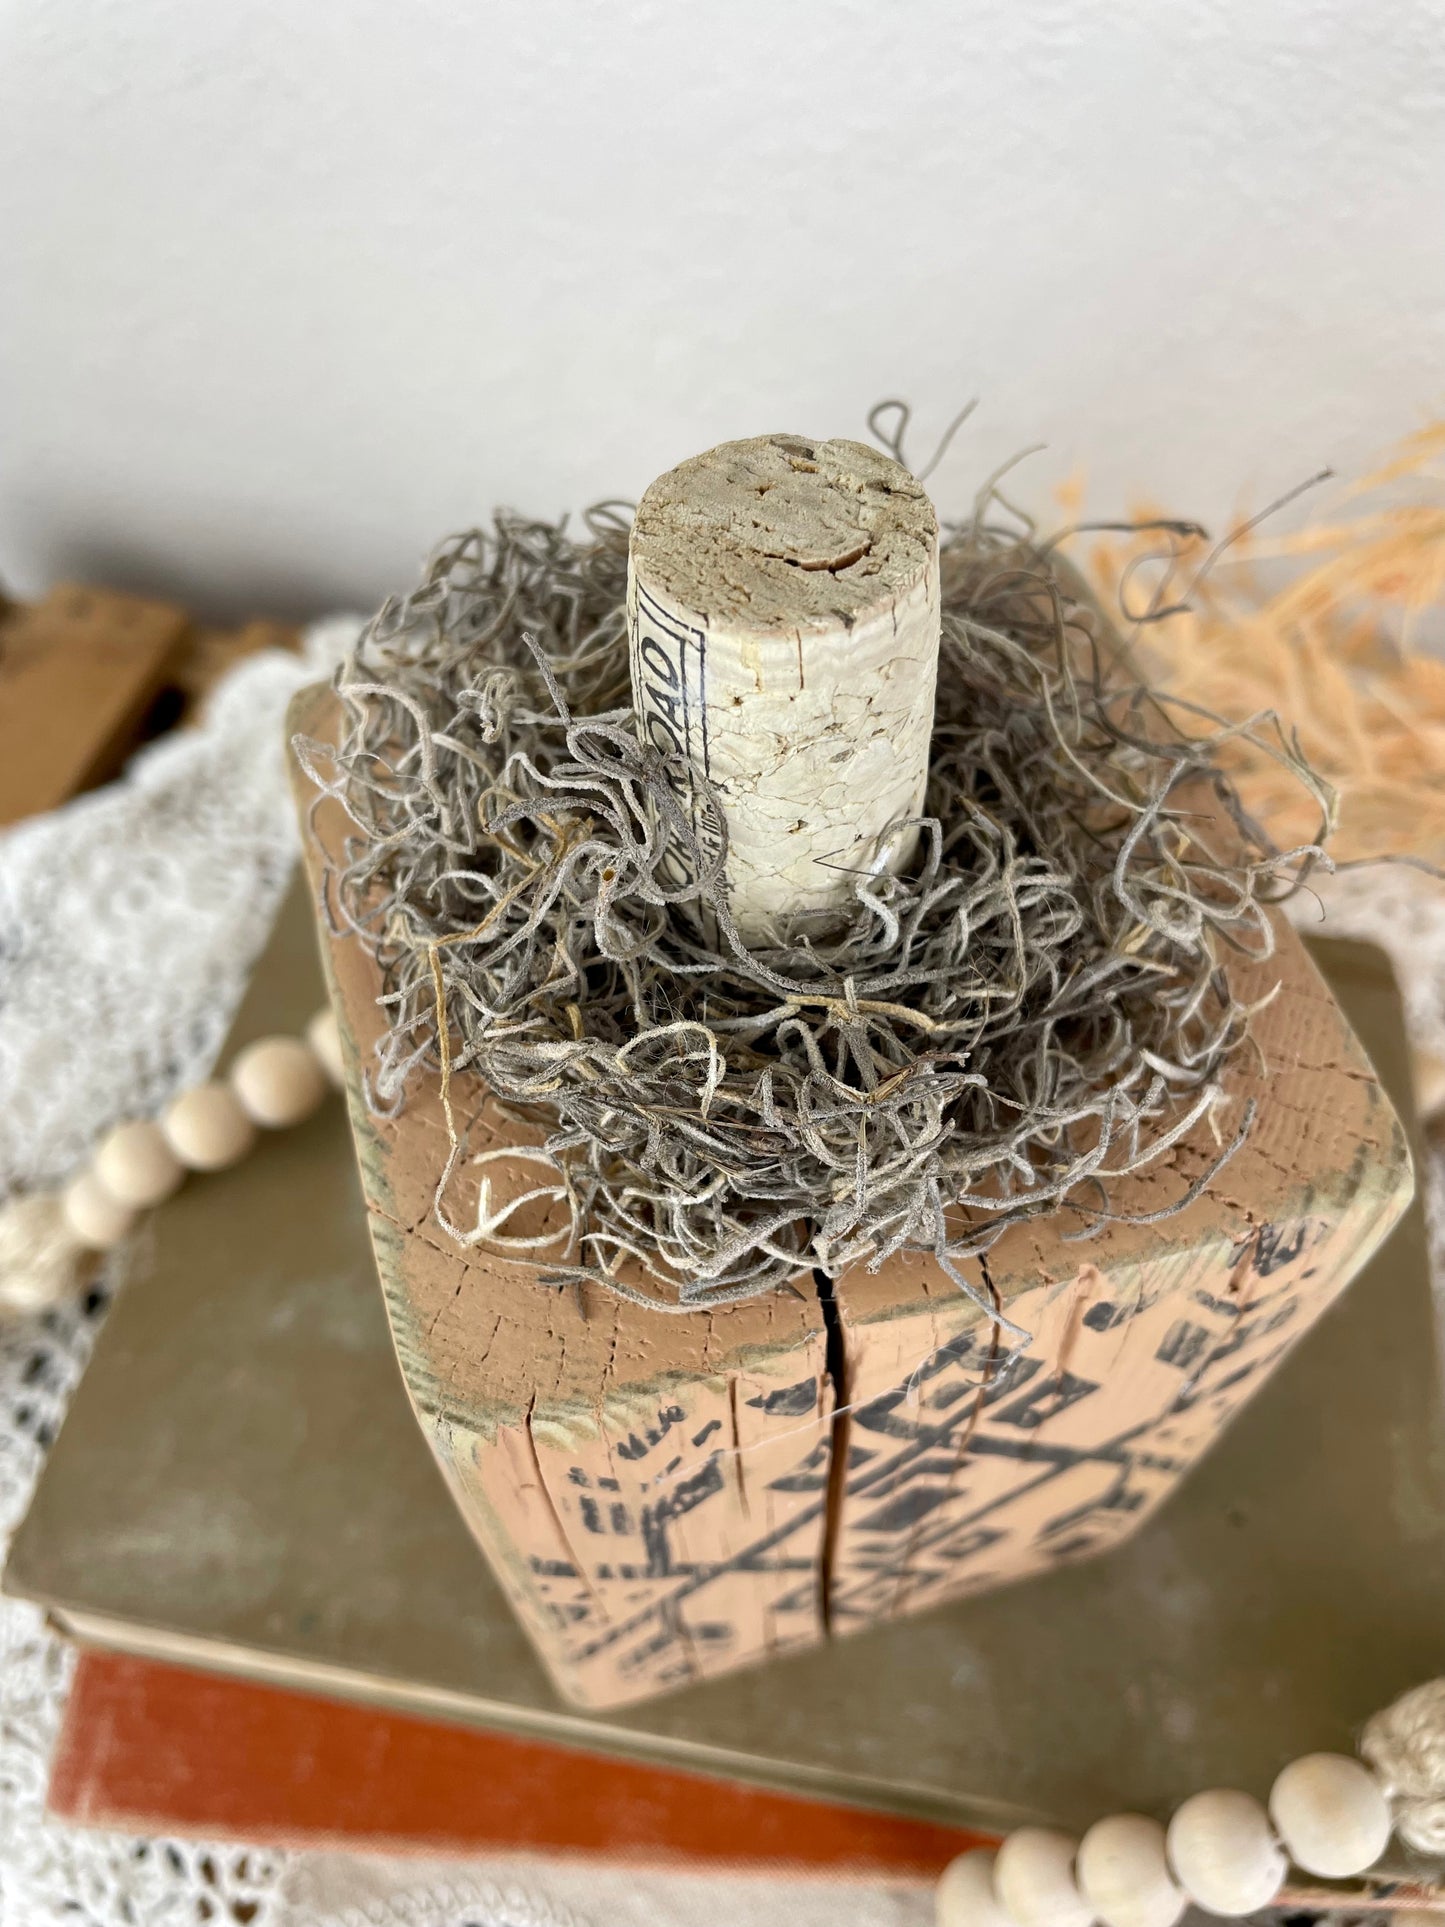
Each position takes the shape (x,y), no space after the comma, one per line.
(78,674)
(668,1498)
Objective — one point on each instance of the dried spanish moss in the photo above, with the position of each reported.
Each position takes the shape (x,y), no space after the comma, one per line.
(1037,1007)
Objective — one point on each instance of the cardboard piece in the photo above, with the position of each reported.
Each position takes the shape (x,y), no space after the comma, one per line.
(86,674)
(78,673)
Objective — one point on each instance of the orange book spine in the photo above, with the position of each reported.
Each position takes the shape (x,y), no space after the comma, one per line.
(159,1749)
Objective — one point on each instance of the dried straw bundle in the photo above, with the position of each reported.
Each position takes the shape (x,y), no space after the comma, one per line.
(1036,1007)
(1330,638)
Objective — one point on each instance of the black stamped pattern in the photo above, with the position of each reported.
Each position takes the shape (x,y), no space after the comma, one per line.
(956,1480)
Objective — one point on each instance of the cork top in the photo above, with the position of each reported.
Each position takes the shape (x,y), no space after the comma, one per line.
(782,532)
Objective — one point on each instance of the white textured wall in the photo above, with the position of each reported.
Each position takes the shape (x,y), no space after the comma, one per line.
(292,287)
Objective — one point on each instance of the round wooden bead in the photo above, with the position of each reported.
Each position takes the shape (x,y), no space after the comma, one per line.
(94,1216)
(1033,1879)
(279,1082)
(964,1896)
(207,1129)
(1224,1854)
(323,1034)
(1123,1873)
(1429,1086)
(1331,1814)
(137,1166)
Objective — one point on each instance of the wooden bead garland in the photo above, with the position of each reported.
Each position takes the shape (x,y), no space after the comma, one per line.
(1033,1878)
(1123,1873)
(1224,1853)
(93,1215)
(323,1034)
(1329,1815)
(279,1082)
(136,1165)
(139,1164)
(207,1128)
(965,1897)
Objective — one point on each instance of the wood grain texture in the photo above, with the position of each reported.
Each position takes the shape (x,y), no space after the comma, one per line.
(668,1498)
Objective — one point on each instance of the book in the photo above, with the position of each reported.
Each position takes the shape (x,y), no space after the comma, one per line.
(240,1485)
(159,1749)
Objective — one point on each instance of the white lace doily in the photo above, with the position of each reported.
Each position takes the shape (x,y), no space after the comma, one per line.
(1403,911)
(128,922)
(181,864)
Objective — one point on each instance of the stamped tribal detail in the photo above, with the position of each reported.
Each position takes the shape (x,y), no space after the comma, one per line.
(950,1487)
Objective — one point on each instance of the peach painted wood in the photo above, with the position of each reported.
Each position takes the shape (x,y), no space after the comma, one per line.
(668,1498)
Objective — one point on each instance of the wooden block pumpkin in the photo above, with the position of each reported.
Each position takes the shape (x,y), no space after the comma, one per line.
(668,1498)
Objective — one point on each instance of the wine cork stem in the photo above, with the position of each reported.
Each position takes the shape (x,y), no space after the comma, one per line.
(783,614)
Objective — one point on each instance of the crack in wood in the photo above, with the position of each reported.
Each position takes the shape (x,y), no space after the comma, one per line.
(835,1364)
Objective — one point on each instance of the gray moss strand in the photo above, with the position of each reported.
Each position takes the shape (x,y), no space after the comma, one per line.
(1035,1005)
